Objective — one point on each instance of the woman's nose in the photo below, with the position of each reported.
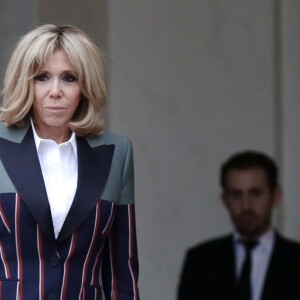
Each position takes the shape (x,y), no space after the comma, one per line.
(55,89)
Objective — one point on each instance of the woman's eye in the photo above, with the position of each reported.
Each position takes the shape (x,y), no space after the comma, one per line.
(41,77)
(70,78)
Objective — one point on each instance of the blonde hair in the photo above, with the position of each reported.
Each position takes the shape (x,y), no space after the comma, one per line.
(31,54)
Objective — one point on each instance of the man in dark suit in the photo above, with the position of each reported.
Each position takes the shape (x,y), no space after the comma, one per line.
(254,262)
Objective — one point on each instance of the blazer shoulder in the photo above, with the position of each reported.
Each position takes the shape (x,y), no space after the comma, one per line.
(108,138)
(120,184)
(13,134)
(209,261)
(292,247)
(8,134)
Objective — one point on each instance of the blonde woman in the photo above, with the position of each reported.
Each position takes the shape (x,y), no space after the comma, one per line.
(67,221)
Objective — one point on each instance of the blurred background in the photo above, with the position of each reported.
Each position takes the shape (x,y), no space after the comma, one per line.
(190,82)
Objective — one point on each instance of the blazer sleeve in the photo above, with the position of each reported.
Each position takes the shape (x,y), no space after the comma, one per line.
(120,262)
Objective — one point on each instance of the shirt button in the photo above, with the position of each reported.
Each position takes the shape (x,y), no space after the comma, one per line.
(52,296)
(54,261)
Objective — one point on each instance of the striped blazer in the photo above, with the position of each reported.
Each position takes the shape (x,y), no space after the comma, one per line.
(95,254)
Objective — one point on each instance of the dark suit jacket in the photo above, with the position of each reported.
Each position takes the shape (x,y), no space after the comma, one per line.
(95,253)
(209,272)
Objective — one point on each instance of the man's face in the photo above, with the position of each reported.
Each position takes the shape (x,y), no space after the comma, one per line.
(249,200)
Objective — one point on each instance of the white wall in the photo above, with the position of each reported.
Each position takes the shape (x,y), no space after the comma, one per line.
(291,115)
(89,15)
(190,83)
(15,20)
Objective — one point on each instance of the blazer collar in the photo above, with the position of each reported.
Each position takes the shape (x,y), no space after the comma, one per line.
(93,168)
(21,162)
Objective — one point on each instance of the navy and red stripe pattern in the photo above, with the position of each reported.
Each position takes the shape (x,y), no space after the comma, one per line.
(99,259)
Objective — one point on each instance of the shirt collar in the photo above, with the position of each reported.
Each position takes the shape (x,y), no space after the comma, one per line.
(266,241)
(38,140)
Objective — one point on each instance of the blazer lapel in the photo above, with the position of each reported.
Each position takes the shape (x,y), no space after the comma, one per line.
(93,169)
(22,166)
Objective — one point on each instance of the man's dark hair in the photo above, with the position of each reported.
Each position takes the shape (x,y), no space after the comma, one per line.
(248,160)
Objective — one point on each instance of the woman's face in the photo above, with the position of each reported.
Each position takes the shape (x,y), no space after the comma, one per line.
(56,97)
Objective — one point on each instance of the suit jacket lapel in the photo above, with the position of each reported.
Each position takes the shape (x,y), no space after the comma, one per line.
(22,165)
(274,269)
(231,258)
(93,169)
(229,264)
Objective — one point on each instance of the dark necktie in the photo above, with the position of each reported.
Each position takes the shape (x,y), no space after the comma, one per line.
(244,283)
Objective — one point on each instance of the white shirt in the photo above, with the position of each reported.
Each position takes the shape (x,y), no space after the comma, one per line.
(261,255)
(60,172)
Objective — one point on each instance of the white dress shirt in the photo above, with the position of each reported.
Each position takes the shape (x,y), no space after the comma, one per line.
(60,172)
(261,255)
